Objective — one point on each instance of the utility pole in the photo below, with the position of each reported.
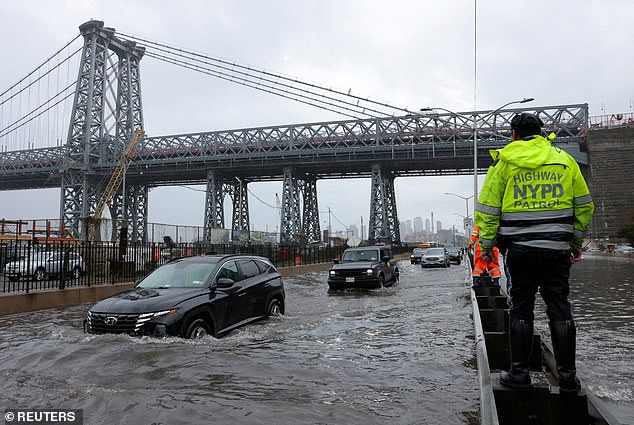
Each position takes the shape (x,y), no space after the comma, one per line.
(329,229)
(362,228)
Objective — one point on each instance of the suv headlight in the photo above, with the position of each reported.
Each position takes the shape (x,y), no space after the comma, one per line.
(332,272)
(369,272)
(146,317)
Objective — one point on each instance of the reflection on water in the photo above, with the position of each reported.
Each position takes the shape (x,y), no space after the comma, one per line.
(402,355)
(602,294)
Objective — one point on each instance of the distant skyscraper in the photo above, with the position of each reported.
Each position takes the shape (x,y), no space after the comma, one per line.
(403,229)
(418,225)
(438,226)
(354,230)
(427,225)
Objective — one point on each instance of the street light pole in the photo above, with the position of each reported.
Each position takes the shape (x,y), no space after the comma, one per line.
(475,146)
(466,200)
(475,140)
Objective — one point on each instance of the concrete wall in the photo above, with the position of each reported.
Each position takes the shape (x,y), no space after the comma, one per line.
(611,178)
(20,302)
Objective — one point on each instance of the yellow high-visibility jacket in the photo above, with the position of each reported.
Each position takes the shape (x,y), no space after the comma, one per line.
(535,196)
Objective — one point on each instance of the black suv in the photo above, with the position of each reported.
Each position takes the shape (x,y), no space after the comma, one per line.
(364,267)
(192,297)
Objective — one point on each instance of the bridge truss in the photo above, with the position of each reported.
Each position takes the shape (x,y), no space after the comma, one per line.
(108,96)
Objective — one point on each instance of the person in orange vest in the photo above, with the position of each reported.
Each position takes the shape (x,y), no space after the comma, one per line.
(480,265)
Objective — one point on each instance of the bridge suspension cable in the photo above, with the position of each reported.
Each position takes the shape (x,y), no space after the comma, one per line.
(44,63)
(292,88)
(26,106)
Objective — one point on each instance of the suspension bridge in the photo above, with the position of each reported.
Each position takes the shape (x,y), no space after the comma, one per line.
(71,133)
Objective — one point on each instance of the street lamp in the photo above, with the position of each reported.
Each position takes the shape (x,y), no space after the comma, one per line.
(466,200)
(475,145)
(475,139)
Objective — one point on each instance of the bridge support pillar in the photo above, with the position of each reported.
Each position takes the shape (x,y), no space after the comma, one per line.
(214,205)
(240,222)
(290,213)
(384,225)
(135,215)
(310,216)
(217,188)
(296,227)
(78,199)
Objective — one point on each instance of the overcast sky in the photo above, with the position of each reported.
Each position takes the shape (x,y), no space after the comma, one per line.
(409,53)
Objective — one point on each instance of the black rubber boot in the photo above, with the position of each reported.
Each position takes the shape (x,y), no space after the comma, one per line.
(521,340)
(564,338)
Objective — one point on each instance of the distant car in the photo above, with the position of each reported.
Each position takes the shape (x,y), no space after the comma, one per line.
(454,254)
(624,249)
(192,297)
(416,255)
(46,264)
(364,267)
(435,257)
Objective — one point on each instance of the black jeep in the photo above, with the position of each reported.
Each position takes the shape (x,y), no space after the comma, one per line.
(364,267)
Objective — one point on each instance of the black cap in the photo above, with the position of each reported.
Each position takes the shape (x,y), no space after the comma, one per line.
(527,124)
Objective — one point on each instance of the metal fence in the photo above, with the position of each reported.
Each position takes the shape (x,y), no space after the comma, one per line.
(51,230)
(27,266)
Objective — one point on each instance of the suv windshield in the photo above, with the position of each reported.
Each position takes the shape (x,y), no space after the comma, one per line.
(361,255)
(179,274)
(436,251)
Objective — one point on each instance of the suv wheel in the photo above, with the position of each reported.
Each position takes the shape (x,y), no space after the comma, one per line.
(39,274)
(274,308)
(381,281)
(76,273)
(197,329)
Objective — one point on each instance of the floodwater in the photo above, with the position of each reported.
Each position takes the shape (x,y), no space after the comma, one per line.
(401,355)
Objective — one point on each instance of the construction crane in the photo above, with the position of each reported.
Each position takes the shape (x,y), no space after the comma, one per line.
(119,173)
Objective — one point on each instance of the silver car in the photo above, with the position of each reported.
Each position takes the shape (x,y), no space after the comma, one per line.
(41,265)
(435,257)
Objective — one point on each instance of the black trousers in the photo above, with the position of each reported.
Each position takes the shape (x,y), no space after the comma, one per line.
(545,270)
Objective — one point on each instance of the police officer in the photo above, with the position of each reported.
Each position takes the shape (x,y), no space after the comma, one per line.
(535,205)
(480,265)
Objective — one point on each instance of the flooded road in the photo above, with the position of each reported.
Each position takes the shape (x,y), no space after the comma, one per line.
(401,355)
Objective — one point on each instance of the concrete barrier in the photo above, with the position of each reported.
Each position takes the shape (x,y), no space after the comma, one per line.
(19,302)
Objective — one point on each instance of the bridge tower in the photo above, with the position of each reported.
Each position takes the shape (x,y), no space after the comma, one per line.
(218,187)
(91,147)
(294,226)
(384,225)
(310,217)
